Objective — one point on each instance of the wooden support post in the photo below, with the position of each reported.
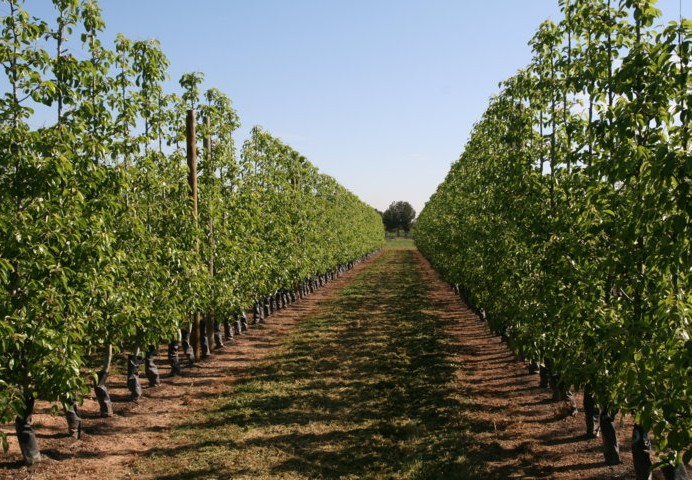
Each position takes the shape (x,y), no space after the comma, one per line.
(209,171)
(191,139)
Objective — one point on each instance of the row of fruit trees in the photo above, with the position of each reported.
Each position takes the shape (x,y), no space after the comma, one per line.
(566,219)
(109,242)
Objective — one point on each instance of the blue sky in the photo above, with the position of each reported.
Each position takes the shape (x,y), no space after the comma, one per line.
(380,94)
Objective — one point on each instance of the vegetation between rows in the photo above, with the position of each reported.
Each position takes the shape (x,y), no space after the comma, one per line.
(364,388)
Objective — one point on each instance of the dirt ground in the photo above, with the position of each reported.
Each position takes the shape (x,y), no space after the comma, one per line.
(518,432)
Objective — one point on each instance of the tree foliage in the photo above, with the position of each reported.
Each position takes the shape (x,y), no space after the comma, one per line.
(567,216)
(399,216)
(98,240)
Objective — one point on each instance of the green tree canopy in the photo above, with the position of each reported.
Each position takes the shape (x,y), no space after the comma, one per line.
(399,216)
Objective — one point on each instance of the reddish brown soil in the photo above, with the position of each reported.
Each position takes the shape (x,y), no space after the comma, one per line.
(518,431)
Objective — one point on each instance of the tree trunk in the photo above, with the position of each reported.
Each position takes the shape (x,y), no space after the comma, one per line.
(591,416)
(100,388)
(267,307)
(534,367)
(238,324)
(187,346)
(25,434)
(173,359)
(228,330)
(204,327)
(611,448)
(102,395)
(74,422)
(641,453)
(133,385)
(218,334)
(210,321)
(544,375)
(150,368)
(678,472)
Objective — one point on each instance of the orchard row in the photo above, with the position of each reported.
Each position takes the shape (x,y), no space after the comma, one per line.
(566,220)
(119,229)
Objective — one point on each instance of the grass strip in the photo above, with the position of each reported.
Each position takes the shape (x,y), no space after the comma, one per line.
(364,388)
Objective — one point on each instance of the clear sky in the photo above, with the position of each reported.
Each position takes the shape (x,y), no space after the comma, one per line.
(380,94)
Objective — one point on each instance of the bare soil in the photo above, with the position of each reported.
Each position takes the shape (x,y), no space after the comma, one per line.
(493,411)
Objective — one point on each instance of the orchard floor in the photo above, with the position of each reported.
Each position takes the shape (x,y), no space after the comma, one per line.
(383,373)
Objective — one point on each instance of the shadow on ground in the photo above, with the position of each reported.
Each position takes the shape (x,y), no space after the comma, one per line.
(365,388)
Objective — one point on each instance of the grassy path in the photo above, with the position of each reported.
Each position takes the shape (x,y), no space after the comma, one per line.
(363,388)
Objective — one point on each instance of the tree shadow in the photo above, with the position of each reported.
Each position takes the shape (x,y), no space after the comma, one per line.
(352,394)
